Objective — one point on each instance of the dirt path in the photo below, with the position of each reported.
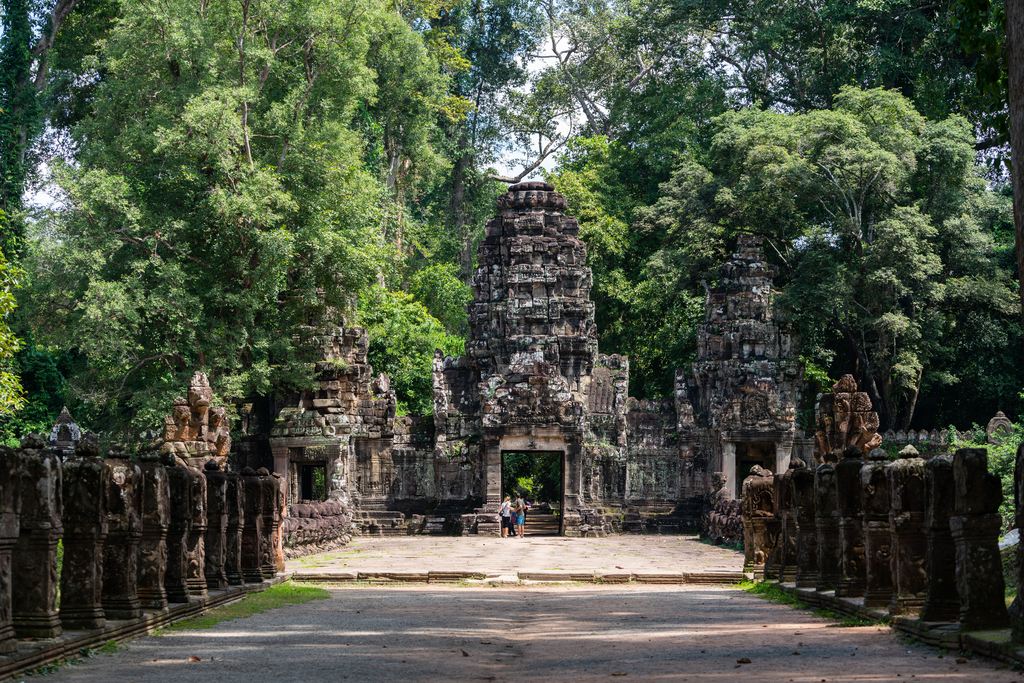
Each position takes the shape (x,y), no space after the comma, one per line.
(536,633)
(540,553)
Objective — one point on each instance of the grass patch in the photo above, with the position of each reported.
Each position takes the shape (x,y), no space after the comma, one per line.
(771,591)
(254,603)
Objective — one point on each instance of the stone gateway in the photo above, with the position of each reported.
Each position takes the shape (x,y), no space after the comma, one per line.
(532,380)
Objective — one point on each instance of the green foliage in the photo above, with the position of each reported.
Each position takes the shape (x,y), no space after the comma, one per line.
(217,200)
(403,337)
(536,477)
(1002,459)
(282,594)
(444,295)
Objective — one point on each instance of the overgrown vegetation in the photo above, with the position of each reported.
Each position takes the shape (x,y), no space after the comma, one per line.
(252,168)
(771,591)
(282,594)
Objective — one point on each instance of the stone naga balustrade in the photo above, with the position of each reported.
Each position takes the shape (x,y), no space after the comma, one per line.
(136,535)
(912,536)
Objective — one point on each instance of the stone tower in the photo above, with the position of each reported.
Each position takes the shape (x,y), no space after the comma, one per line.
(748,376)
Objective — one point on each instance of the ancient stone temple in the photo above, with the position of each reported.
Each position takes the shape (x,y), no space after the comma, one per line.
(532,381)
(747,378)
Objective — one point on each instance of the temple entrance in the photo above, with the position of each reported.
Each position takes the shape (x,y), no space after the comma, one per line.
(753,453)
(538,476)
(313,480)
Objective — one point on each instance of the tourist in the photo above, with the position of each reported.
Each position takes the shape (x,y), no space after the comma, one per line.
(506,517)
(520,510)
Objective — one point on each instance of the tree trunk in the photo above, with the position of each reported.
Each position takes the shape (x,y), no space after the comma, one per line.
(1015,100)
(457,206)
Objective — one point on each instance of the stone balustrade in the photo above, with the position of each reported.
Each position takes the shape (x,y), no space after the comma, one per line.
(137,535)
(911,536)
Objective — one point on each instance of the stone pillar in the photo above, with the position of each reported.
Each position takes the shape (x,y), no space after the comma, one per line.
(179,529)
(877,537)
(942,602)
(271,523)
(121,551)
(787,516)
(34,560)
(86,484)
(906,525)
(758,507)
(851,521)
(252,531)
(806,531)
(156,519)
(729,467)
(1017,608)
(196,543)
(217,526)
(826,524)
(975,527)
(235,504)
(281,502)
(10,510)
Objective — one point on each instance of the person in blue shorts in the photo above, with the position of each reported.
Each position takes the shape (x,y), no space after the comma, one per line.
(519,510)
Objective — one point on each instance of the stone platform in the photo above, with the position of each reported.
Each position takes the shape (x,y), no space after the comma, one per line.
(615,559)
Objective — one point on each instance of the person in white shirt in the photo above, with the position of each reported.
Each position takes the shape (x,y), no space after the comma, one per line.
(506,516)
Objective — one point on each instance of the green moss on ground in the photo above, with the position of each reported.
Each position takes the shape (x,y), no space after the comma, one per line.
(254,603)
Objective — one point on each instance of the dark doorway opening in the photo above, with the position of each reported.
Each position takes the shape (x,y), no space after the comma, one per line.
(753,453)
(538,476)
(313,481)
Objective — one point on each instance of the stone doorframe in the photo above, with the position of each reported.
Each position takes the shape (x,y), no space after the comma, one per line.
(783,449)
(546,438)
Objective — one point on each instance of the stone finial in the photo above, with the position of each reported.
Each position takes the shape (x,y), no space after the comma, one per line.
(998,428)
(89,446)
(33,440)
(211,465)
(909,452)
(65,432)
(878,455)
(846,385)
(795,463)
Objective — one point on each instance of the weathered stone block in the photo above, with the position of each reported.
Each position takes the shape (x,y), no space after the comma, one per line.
(252,531)
(34,559)
(180,481)
(196,541)
(235,506)
(942,602)
(807,533)
(10,511)
(826,522)
(86,486)
(121,550)
(851,523)
(217,526)
(906,526)
(979,575)
(877,534)
(156,520)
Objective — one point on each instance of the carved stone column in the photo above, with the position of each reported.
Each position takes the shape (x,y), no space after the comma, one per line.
(178,531)
(217,526)
(975,527)
(906,524)
(196,546)
(86,484)
(877,536)
(34,560)
(121,551)
(826,523)
(252,532)
(807,532)
(851,523)
(758,507)
(156,519)
(281,510)
(271,522)
(788,542)
(1017,608)
(942,602)
(10,510)
(234,492)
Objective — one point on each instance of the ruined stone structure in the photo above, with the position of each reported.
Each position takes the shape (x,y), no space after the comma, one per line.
(927,531)
(196,431)
(845,418)
(532,379)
